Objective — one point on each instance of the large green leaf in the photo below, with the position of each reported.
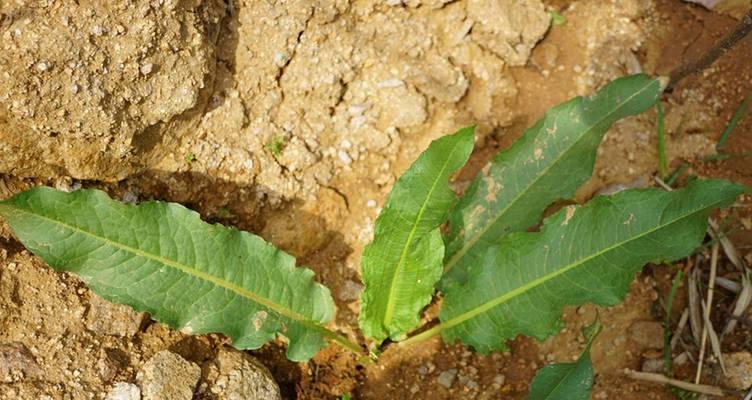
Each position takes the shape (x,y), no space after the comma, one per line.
(161,258)
(549,162)
(582,254)
(404,261)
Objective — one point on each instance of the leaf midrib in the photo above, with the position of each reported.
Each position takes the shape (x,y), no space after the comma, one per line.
(543,279)
(389,312)
(187,269)
(474,239)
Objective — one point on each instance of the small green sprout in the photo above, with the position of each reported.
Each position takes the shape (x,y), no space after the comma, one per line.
(276,145)
(556,18)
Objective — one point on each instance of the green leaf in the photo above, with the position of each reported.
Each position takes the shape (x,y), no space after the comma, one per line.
(404,261)
(161,258)
(549,162)
(582,254)
(571,381)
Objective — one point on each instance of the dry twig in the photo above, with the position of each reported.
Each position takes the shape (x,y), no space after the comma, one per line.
(658,378)
(708,58)
(707,327)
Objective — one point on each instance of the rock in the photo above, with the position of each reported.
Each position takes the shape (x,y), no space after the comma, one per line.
(234,375)
(509,29)
(735,8)
(96,107)
(350,291)
(17,363)
(124,391)
(648,334)
(112,319)
(168,376)
(652,365)
(738,370)
(446,378)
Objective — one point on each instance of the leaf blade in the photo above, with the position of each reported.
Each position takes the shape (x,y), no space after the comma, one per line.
(404,261)
(572,381)
(161,258)
(527,278)
(549,162)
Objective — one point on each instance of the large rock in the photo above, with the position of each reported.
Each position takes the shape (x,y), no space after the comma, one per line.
(168,376)
(88,89)
(105,90)
(234,375)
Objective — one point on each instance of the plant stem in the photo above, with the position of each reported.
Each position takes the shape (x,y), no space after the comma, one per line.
(729,41)
(425,335)
(661,131)
(738,114)
(343,341)
(668,359)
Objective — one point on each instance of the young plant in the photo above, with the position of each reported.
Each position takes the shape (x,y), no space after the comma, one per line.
(497,279)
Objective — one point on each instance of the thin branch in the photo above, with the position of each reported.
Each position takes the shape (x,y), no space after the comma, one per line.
(658,378)
(708,58)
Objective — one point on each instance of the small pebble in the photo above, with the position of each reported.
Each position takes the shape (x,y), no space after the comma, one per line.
(344,157)
(124,391)
(447,378)
(146,69)
(391,83)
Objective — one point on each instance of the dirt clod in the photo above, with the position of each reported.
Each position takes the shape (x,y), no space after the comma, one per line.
(648,334)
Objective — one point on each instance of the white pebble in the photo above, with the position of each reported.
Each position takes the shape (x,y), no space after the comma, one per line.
(344,157)
(358,109)
(42,66)
(146,69)
(371,203)
(391,83)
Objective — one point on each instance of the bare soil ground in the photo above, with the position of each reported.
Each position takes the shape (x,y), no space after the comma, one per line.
(345,140)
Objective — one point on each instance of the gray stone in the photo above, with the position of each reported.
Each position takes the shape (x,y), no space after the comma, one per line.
(168,376)
(17,363)
(447,377)
(234,375)
(112,319)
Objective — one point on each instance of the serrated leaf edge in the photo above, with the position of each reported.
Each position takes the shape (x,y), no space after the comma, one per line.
(389,312)
(539,281)
(470,242)
(283,311)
